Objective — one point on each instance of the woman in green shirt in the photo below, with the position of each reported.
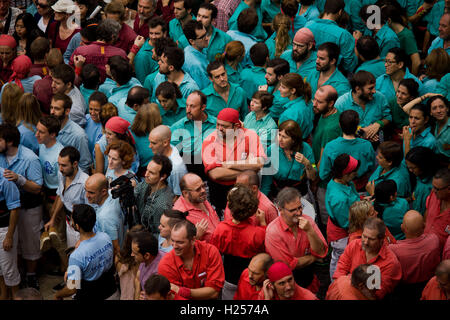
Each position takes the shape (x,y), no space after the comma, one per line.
(421,162)
(232,58)
(280,40)
(439,110)
(172,105)
(437,65)
(292,161)
(390,208)
(408,89)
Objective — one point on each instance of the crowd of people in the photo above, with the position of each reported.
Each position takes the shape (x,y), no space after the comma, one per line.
(227,149)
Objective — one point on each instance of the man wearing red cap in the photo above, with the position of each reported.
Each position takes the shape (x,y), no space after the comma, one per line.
(227,152)
(280,285)
(7,54)
(302,57)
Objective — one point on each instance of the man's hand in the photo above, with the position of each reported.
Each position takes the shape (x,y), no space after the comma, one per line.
(10,175)
(300,158)
(8,243)
(79,61)
(263,87)
(139,41)
(174,288)
(304,224)
(370,187)
(268,289)
(201,226)
(371,130)
(261,216)
(49,225)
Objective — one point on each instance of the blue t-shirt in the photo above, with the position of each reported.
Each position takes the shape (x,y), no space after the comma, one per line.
(110,219)
(49,163)
(91,259)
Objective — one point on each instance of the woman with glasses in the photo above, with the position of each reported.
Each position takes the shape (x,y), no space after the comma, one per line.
(340,195)
(44,15)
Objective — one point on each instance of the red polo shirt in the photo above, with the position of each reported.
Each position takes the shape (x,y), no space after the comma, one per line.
(342,289)
(126,38)
(144,29)
(39,69)
(207,268)
(436,221)
(446,252)
(390,268)
(300,294)
(264,204)
(42,90)
(240,240)
(418,257)
(196,215)
(245,291)
(98,53)
(432,291)
(165,12)
(215,151)
(282,245)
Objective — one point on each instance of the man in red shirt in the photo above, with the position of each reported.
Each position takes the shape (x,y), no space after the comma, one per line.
(295,239)
(250,179)
(352,287)
(193,200)
(280,285)
(194,268)
(438,288)
(145,11)
(251,280)
(227,152)
(437,215)
(115,10)
(418,255)
(372,249)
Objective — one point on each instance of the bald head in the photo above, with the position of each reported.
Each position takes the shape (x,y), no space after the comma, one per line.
(258,267)
(413,224)
(262,258)
(98,181)
(162,132)
(324,99)
(96,187)
(330,92)
(159,139)
(188,180)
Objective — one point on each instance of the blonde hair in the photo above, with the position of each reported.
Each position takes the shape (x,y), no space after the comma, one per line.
(233,50)
(10,99)
(437,64)
(109,110)
(28,111)
(281,24)
(358,214)
(147,118)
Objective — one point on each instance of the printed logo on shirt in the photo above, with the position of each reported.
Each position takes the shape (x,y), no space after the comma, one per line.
(73,277)
(48,168)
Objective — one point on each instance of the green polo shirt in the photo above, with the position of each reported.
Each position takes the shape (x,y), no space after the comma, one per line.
(399,174)
(420,194)
(143,62)
(393,216)
(252,78)
(264,127)
(236,100)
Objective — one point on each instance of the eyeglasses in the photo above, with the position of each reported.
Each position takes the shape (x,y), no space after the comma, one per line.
(43,6)
(390,61)
(440,189)
(295,209)
(202,37)
(298,45)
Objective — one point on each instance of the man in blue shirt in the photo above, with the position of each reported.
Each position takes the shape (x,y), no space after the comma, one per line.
(443,41)
(326,72)
(189,132)
(218,39)
(368,52)
(22,166)
(302,57)
(128,107)
(372,107)
(170,69)
(143,62)
(223,94)
(198,39)
(9,215)
(110,219)
(91,265)
(70,134)
(326,29)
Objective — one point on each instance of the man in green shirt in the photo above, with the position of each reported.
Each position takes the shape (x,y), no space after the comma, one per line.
(327,129)
(182,11)
(223,94)
(189,132)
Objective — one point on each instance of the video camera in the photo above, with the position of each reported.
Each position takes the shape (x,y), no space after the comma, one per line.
(123,189)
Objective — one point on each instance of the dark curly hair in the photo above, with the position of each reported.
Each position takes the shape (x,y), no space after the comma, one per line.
(242,202)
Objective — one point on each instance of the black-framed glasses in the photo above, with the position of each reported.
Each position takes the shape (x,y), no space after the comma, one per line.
(440,189)
(202,37)
(300,208)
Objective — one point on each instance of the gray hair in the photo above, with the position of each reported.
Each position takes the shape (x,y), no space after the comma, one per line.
(287,195)
(376,224)
(108,30)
